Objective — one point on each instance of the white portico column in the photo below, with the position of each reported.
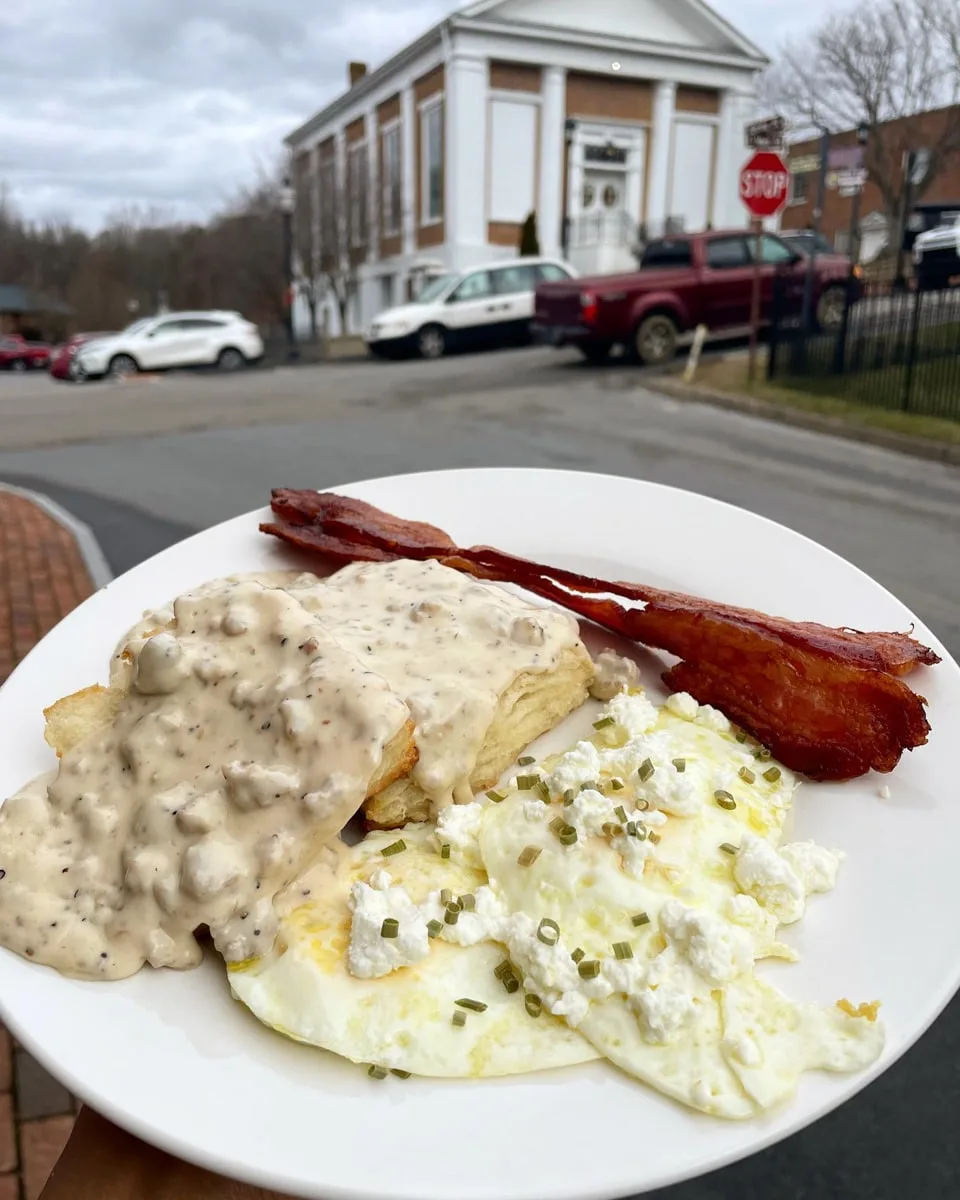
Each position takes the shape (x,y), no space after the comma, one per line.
(465,158)
(408,159)
(735,109)
(553,109)
(657,198)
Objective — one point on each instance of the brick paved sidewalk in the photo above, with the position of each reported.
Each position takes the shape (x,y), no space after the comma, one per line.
(42,577)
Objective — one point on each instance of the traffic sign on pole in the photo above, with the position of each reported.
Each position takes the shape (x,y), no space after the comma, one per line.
(765,184)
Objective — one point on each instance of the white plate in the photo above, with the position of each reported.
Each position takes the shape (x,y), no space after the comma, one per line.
(174,1059)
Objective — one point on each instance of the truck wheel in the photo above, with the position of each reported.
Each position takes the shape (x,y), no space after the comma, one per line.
(432,341)
(830,308)
(595,352)
(18,364)
(655,341)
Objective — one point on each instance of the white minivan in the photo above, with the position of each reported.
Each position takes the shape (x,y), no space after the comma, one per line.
(475,309)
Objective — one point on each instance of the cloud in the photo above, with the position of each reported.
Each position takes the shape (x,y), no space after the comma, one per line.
(110,103)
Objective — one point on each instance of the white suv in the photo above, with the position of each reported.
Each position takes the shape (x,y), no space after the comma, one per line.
(182,339)
(476,309)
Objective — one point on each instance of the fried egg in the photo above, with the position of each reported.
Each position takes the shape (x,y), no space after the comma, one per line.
(405,1019)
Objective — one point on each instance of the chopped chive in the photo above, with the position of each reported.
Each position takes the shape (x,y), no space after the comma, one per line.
(772,775)
(526,760)
(617,785)
(496,797)
(528,856)
(446,896)
(631,829)
(533,1004)
(399,1074)
(452,914)
(569,796)
(445,850)
(592,785)
(434,928)
(680,764)
(394,848)
(611,829)
(747,775)
(639,919)
(763,753)
(557,824)
(641,833)
(504,968)
(578,955)
(654,837)
(473,1005)
(646,770)
(604,723)
(390,928)
(741,737)
(589,969)
(459,1019)
(548,932)
(376,1072)
(643,805)
(622,950)
(621,814)
(725,800)
(468,902)
(526,783)
(567,835)
(511,983)
(727,848)
(543,792)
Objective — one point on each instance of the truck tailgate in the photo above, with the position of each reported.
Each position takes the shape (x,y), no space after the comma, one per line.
(558,304)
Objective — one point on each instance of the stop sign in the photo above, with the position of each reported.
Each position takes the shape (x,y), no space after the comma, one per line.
(765,184)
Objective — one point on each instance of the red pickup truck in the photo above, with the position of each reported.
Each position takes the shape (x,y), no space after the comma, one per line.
(17,354)
(685,281)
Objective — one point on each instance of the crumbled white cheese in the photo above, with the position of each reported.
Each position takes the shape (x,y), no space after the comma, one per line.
(370,954)
(634,854)
(662,1011)
(883,792)
(633,713)
(713,719)
(582,764)
(380,880)
(458,825)
(481,924)
(589,812)
(682,704)
(762,873)
(550,972)
(815,866)
(533,810)
(613,674)
(715,949)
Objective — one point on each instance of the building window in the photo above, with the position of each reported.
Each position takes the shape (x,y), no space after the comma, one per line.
(801,189)
(392,194)
(357,172)
(327,209)
(431,143)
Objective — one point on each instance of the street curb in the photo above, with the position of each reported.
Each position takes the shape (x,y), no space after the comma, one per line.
(93,557)
(902,443)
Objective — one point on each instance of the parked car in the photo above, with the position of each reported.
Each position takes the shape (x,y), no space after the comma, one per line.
(685,281)
(17,354)
(805,240)
(474,309)
(63,358)
(183,339)
(936,256)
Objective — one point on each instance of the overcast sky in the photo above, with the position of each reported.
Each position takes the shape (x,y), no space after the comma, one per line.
(148,103)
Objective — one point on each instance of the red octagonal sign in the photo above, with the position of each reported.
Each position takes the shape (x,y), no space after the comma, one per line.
(765,184)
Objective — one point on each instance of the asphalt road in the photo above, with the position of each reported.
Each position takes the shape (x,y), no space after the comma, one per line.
(146,463)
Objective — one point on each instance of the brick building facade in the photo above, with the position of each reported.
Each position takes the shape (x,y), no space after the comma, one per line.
(897,137)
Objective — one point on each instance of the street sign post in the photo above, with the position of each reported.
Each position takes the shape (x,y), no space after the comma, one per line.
(764,190)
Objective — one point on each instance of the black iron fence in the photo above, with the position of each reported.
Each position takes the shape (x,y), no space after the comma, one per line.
(872,344)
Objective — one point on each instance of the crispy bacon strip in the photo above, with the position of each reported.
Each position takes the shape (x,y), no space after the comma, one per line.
(828,702)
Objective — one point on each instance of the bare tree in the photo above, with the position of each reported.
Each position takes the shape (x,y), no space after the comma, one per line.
(345,224)
(884,61)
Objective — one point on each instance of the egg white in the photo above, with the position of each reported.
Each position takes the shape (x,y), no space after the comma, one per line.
(402,1021)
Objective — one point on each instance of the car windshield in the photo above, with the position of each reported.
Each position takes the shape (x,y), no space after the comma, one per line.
(138,325)
(435,288)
